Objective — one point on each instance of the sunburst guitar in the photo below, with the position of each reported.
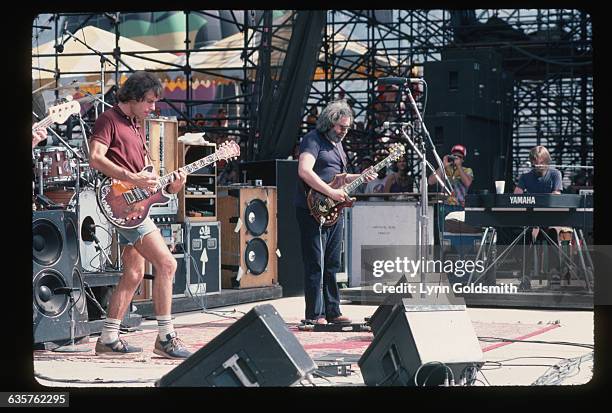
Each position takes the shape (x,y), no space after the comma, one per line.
(126,206)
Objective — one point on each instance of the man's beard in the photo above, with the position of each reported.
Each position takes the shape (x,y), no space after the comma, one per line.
(332,136)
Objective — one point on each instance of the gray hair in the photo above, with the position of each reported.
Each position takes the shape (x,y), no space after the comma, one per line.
(538,151)
(332,113)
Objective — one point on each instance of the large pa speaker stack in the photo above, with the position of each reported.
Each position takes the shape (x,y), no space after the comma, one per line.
(257,350)
(57,281)
(248,240)
(422,345)
(471,103)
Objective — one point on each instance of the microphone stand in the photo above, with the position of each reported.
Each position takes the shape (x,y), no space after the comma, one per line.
(71,348)
(423,217)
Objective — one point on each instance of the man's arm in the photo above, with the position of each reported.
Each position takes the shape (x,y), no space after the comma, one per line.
(465,178)
(306,173)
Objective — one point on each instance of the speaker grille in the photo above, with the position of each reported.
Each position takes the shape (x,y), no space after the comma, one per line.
(46,242)
(256,256)
(256,217)
(46,300)
(72,243)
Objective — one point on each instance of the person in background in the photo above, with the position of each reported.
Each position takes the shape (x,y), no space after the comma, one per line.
(461,178)
(541,179)
(311,118)
(400,180)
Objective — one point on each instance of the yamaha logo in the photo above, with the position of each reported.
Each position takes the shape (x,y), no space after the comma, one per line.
(522,200)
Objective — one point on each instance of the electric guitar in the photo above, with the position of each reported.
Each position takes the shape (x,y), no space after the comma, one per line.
(58,114)
(326,210)
(127,206)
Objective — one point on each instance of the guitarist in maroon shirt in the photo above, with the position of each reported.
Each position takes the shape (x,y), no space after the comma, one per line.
(118,150)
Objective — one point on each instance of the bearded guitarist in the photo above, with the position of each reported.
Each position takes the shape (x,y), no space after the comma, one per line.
(321,159)
(118,150)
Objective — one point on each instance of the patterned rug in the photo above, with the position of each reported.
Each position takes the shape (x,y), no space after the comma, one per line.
(317,344)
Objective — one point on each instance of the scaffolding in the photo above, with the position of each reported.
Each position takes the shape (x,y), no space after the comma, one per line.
(549,52)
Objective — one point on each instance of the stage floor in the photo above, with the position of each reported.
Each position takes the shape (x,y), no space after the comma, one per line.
(197,329)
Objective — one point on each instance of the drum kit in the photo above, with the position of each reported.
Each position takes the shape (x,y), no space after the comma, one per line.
(63,179)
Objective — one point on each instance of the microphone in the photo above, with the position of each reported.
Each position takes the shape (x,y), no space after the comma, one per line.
(389,125)
(92,232)
(397,80)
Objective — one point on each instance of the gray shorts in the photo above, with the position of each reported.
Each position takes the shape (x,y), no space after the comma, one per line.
(131,236)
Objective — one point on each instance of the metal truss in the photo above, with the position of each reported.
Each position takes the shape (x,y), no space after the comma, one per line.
(549,52)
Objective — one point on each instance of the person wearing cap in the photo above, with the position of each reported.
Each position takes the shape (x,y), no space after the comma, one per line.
(461,178)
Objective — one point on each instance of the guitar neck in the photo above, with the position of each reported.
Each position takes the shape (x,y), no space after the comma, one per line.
(194,166)
(349,188)
(47,121)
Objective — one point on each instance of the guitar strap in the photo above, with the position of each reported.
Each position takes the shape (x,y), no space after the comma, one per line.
(340,151)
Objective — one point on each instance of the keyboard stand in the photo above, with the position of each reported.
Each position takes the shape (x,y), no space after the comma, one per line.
(486,244)
(583,253)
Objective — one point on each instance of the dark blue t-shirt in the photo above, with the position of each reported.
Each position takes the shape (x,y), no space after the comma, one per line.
(330,160)
(533,183)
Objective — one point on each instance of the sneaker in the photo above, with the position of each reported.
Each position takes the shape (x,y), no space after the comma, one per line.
(172,348)
(119,347)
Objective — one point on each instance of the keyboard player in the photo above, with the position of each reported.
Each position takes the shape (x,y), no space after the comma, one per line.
(541,179)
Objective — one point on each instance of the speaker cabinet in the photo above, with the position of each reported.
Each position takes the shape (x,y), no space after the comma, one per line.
(248,224)
(202,259)
(283,175)
(57,281)
(258,350)
(429,342)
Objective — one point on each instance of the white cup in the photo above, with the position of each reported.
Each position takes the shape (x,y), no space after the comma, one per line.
(499,186)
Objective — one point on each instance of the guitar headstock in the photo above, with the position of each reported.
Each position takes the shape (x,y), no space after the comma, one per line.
(60,113)
(228,150)
(396,151)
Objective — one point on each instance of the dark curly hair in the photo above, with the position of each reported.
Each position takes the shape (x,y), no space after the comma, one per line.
(137,86)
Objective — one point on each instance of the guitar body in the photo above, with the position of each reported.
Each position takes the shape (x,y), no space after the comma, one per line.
(321,206)
(121,205)
(126,206)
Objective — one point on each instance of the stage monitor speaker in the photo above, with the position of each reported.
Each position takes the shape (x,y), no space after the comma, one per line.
(283,175)
(248,239)
(428,342)
(258,350)
(57,280)
(384,310)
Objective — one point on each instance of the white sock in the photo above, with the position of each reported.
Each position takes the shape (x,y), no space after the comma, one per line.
(110,330)
(164,324)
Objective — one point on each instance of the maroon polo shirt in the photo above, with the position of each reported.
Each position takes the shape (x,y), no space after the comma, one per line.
(124,138)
